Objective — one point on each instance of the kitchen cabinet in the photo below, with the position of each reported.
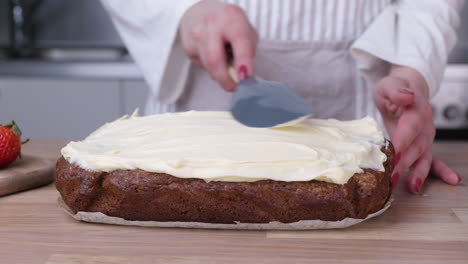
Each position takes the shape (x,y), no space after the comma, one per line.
(66,108)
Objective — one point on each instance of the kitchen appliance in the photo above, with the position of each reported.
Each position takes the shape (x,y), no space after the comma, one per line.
(450,104)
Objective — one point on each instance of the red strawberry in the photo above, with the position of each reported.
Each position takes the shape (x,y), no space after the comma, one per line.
(10,143)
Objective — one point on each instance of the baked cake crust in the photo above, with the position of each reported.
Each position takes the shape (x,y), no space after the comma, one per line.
(146,196)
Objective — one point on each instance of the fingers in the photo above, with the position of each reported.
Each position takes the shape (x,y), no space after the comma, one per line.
(442,171)
(419,172)
(206,28)
(401,97)
(409,127)
(213,59)
(393,92)
(244,52)
(417,149)
(243,39)
(402,100)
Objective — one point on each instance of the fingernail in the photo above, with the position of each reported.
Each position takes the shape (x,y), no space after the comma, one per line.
(397,158)
(242,72)
(406,91)
(459,179)
(418,186)
(395,179)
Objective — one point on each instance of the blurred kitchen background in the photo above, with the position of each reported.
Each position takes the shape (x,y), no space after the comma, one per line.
(64,71)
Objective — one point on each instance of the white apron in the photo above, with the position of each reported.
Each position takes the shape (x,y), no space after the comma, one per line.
(326,77)
(315,61)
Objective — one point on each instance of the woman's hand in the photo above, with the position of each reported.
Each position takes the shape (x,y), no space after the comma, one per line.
(205,29)
(402,98)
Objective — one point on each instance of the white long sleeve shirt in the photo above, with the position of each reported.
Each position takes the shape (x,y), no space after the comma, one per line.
(415,33)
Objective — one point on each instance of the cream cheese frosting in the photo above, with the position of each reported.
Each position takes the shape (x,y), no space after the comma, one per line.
(214,147)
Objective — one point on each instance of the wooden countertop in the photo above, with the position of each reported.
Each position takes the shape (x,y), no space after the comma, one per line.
(431,228)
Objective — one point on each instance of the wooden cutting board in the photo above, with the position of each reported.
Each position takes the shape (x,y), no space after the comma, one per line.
(26,173)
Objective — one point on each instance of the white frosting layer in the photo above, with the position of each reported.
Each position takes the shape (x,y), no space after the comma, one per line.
(214,147)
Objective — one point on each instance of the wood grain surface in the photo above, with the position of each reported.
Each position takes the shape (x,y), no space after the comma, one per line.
(427,228)
(25,173)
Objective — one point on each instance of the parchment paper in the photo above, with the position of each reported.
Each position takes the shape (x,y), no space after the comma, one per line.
(300,225)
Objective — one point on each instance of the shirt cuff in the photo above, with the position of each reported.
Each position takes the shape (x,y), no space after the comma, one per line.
(419,39)
(375,64)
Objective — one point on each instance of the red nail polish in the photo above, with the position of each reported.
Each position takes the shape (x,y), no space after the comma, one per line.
(459,179)
(397,158)
(418,186)
(242,72)
(395,178)
(406,91)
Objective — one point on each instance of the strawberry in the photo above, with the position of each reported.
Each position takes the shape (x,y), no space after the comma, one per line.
(10,143)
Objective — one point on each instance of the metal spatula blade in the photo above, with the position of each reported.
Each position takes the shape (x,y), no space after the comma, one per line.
(260,103)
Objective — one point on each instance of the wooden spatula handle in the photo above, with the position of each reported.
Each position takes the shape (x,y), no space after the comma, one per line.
(230,61)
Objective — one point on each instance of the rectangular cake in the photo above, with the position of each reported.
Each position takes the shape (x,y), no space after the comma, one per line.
(205,167)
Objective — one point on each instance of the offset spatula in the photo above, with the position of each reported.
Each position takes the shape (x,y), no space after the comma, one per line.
(260,103)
